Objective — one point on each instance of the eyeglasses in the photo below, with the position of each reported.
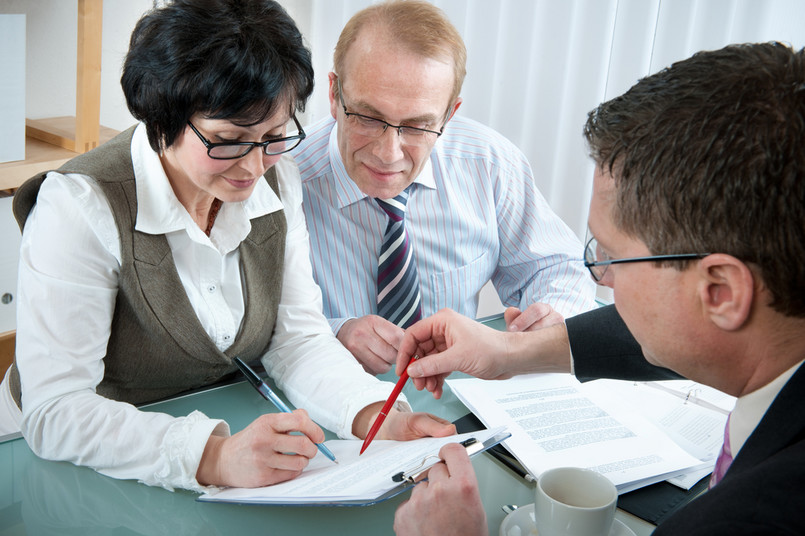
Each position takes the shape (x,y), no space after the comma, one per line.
(239,149)
(599,268)
(373,127)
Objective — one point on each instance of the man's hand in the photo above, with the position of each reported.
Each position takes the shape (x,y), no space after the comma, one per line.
(448,341)
(373,341)
(263,453)
(447,503)
(536,316)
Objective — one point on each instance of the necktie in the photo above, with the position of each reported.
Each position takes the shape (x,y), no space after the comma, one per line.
(724,458)
(398,298)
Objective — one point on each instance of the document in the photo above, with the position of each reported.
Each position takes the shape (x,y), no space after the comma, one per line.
(555,420)
(358,480)
(691,414)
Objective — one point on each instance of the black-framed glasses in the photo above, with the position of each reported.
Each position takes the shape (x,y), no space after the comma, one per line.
(239,149)
(599,267)
(372,127)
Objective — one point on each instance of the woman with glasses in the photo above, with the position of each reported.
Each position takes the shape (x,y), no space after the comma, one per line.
(149,263)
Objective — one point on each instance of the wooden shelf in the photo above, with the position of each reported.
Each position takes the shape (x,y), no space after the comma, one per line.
(42,156)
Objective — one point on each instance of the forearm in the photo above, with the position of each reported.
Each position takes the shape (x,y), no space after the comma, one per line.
(119,440)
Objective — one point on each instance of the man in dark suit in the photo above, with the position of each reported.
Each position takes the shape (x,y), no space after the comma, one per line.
(696,223)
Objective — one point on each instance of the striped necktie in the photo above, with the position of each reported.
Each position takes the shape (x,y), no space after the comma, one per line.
(398,298)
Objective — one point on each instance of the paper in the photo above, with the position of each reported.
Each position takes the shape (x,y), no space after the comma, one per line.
(555,421)
(355,478)
(691,414)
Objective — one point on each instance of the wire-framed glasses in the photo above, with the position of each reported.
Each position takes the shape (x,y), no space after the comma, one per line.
(239,149)
(372,127)
(598,262)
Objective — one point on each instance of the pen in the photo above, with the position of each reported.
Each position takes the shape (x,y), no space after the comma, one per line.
(269,395)
(386,407)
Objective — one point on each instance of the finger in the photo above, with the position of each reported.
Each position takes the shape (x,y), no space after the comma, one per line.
(437,473)
(427,425)
(371,362)
(457,461)
(389,333)
(533,314)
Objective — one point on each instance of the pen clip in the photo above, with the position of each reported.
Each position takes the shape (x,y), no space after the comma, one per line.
(471,444)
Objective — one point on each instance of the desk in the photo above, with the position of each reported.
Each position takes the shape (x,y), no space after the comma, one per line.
(39,497)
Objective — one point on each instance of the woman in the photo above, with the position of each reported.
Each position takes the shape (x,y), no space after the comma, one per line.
(150,262)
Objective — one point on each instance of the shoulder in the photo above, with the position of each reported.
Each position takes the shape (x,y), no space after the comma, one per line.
(313,155)
(468,139)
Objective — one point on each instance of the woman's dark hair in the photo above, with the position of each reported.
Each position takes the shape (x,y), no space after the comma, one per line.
(228,59)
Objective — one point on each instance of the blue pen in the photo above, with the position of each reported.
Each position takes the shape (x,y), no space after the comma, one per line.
(269,395)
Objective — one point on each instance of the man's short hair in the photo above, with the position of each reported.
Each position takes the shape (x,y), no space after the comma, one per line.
(419,26)
(229,59)
(708,156)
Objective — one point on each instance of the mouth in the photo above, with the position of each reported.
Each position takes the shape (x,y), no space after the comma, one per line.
(382,174)
(246,183)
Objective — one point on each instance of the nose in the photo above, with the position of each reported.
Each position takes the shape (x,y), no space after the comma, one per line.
(388,147)
(256,162)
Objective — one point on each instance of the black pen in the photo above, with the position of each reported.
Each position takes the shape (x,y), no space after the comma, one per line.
(269,395)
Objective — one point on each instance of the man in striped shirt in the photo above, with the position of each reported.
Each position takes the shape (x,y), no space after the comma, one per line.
(473,212)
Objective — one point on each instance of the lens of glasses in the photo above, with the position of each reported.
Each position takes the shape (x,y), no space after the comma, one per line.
(237,150)
(374,128)
(591,257)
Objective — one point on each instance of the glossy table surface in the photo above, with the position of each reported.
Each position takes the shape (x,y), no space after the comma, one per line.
(43,497)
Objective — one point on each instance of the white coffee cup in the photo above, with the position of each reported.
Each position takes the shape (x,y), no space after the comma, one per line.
(571,501)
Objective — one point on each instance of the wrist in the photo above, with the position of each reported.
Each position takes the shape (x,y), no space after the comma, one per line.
(542,350)
(209,468)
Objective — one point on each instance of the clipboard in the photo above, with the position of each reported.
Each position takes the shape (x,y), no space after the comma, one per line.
(411,470)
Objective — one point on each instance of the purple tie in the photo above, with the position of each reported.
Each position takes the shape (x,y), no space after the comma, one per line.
(724,458)
(398,297)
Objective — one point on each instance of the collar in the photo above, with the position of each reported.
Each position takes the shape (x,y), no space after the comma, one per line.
(749,409)
(347,192)
(160,212)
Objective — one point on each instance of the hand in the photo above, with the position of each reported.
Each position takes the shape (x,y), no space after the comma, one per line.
(263,453)
(447,503)
(536,315)
(448,341)
(373,341)
(401,425)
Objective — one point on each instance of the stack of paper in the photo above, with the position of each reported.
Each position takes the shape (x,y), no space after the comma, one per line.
(633,433)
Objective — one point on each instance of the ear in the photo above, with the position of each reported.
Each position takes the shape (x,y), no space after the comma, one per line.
(332,79)
(726,289)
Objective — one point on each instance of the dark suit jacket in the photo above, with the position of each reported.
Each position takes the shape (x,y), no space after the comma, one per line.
(763,491)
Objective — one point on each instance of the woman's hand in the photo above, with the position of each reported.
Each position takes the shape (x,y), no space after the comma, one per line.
(264,453)
(401,425)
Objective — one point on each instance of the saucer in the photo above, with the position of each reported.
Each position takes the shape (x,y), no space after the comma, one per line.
(521,522)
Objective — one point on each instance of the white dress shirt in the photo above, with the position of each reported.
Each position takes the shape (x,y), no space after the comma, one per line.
(68,280)
(750,409)
(473,215)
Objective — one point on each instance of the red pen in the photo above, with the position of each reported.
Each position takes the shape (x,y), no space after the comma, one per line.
(386,407)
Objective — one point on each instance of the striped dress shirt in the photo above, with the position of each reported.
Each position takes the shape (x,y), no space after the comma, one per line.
(474,215)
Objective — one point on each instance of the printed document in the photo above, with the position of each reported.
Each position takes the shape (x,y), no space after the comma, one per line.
(555,420)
